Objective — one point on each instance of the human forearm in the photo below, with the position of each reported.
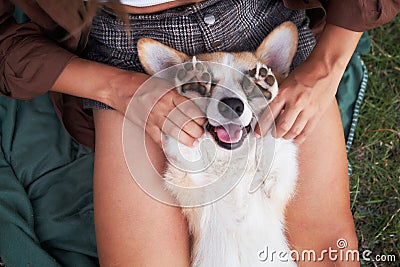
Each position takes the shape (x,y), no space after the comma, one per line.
(150,107)
(331,55)
(86,79)
(100,82)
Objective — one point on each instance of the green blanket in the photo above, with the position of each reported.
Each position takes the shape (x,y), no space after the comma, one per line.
(46,207)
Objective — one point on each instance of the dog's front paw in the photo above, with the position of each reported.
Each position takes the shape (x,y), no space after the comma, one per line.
(193,79)
(265,79)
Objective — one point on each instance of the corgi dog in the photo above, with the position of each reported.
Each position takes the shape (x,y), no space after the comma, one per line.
(233,186)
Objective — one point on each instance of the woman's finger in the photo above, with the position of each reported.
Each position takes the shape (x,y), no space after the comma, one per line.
(189,109)
(308,128)
(268,116)
(298,126)
(177,133)
(185,123)
(155,133)
(285,121)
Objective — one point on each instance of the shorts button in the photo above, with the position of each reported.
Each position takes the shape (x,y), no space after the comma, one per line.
(209,19)
(216,43)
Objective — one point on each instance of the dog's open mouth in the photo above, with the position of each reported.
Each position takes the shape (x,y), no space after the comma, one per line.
(229,136)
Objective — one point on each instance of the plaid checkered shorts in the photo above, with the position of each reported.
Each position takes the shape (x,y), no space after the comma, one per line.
(209,26)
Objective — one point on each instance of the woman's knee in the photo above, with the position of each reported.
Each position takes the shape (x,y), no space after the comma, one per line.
(342,243)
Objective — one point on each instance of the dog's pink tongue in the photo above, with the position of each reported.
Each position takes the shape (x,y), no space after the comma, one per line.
(230,133)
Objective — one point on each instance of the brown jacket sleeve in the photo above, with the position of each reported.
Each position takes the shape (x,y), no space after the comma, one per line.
(29,61)
(361,15)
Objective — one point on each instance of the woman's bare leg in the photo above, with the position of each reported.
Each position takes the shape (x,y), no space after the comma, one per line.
(132,229)
(319,215)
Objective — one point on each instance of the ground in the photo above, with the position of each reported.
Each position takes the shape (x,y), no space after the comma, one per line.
(375,155)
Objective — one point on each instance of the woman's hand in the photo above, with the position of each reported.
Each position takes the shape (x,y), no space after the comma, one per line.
(155,105)
(303,97)
(152,104)
(159,108)
(306,93)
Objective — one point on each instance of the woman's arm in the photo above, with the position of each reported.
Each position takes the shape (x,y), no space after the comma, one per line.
(361,15)
(32,64)
(107,84)
(151,109)
(311,87)
(29,61)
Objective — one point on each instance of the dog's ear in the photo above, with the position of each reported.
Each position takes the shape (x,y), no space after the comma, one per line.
(155,56)
(279,47)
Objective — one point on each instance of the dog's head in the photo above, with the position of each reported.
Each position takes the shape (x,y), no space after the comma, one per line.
(238,86)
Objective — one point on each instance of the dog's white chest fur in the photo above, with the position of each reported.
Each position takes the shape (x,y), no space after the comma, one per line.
(232,230)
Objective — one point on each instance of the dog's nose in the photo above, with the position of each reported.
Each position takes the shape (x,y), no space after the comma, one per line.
(230,107)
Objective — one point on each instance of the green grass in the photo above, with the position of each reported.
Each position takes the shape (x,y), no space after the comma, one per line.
(375,155)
